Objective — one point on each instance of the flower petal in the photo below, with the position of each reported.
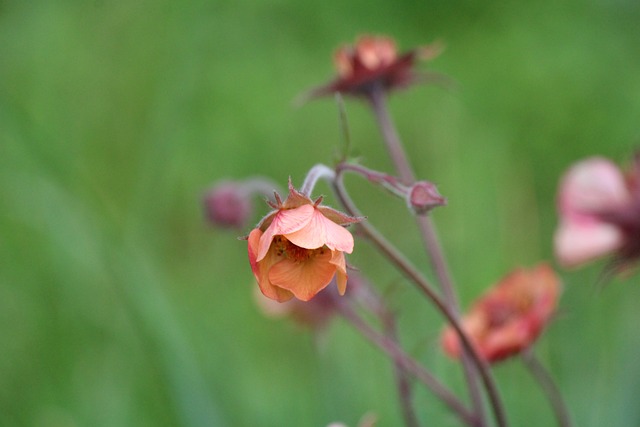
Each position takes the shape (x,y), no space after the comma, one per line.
(506,341)
(304,279)
(320,231)
(261,269)
(285,221)
(337,259)
(591,186)
(579,242)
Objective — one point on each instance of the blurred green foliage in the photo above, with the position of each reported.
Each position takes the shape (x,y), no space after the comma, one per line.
(119,306)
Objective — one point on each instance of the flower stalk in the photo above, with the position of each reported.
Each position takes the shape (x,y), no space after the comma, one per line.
(412,273)
(377,100)
(390,347)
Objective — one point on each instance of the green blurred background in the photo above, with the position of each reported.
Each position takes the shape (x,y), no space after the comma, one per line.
(119,306)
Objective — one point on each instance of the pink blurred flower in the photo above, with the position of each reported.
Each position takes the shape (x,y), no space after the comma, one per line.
(374,60)
(510,317)
(599,210)
(299,247)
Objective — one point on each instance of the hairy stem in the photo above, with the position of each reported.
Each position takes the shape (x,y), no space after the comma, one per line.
(317,172)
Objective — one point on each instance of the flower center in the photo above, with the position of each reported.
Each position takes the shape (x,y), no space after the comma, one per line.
(295,253)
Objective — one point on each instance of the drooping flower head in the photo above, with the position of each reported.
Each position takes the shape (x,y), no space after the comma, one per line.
(299,247)
(599,208)
(375,61)
(510,316)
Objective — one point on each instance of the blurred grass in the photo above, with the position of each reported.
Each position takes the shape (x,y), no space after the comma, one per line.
(119,306)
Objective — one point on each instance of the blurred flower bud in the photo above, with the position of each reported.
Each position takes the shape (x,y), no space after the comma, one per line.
(228,204)
(424,196)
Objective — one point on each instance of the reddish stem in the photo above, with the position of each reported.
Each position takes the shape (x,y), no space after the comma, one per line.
(424,286)
(377,98)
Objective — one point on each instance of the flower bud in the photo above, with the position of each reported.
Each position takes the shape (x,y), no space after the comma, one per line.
(228,204)
(424,196)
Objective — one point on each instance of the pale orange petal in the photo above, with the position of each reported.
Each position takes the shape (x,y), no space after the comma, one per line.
(337,259)
(303,279)
(285,221)
(252,246)
(320,231)
(261,269)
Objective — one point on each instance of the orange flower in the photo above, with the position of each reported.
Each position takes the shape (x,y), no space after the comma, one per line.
(299,247)
(374,60)
(511,316)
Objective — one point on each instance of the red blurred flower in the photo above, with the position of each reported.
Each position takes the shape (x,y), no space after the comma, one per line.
(374,61)
(299,247)
(508,318)
(599,209)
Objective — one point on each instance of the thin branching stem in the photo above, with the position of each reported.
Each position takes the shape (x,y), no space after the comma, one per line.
(371,301)
(428,232)
(402,359)
(414,275)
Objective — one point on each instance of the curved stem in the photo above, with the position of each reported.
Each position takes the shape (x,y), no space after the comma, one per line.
(317,172)
(424,286)
(388,182)
(396,150)
(549,387)
(407,363)
(402,380)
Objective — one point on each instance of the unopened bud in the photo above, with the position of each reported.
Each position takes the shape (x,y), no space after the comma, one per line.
(228,204)
(424,196)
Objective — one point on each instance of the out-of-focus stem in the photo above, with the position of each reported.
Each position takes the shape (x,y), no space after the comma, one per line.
(548,386)
(403,383)
(402,264)
(372,302)
(389,346)
(427,229)
(260,185)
